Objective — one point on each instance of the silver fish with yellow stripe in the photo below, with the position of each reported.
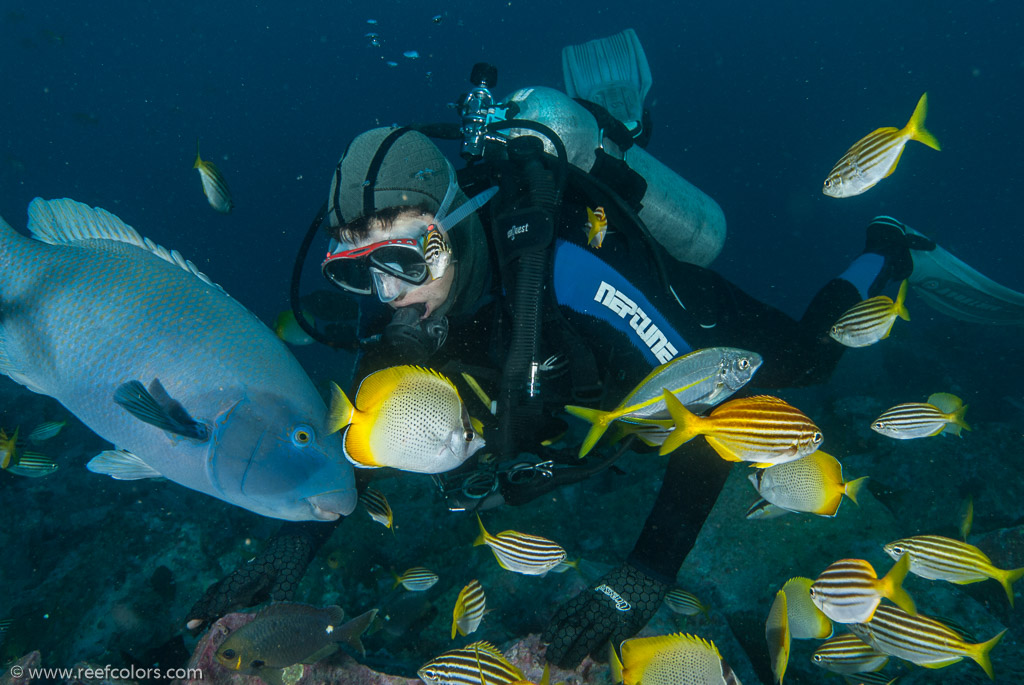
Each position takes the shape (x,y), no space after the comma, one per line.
(469,609)
(479,663)
(214,186)
(922,640)
(876,155)
(812,484)
(867,322)
(699,380)
(521,553)
(762,429)
(849,591)
(942,413)
(416,579)
(940,558)
(847,653)
(376,505)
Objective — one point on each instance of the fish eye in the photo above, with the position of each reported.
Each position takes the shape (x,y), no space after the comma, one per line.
(898,550)
(228,654)
(302,436)
(877,425)
(817,437)
(744,364)
(810,591)
(257,663)
(817,658)
(834,329)
(468,435)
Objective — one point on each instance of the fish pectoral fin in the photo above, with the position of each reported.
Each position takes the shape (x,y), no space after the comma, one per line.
(155,407)
(121,465)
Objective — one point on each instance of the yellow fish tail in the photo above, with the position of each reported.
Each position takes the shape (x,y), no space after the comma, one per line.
(958,420)
(900,305)
(341,411)
(199,160)
(1007,579)
(599,424)
(686,424)
(853,488)
(979,652)
(891,585)
(915,127)
(484,536)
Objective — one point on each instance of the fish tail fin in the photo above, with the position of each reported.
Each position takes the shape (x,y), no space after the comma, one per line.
(199,160)
(900,305)
(599,424)
(482,538)
(853,488)
(685,423)
(341,411)
(979,652)
(398,580)
(893,585)
(351,632)
(915,127)
(958,420)
(1007,579)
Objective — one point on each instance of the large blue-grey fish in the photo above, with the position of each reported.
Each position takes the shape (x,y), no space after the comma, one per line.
(152,356)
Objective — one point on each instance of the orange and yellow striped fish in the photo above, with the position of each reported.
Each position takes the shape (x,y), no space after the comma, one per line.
(469,609)
(847,653)
(521,553)
(942,413)
(867,322)
(940,558)
(416,579)
(922,640)
(480,663)
(875,156)
(376,505)
(849,591)
(597,227)
(761,429)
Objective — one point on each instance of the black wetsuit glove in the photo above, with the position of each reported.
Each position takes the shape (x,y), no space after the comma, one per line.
(273,574)
(889,238)
(616,608)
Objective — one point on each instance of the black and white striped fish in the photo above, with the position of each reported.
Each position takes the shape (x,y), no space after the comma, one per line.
(847,653)
(942,413)
(922,640)
(416,579)
(469,609)
(477,664)
(436,253)
(867,322)
(214,186)
(520,552)
(849,591)
(940,558)
(376,505)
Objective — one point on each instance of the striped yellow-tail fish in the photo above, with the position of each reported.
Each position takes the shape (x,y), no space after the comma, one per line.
(940,558)
(214,186)
(469,609)
(686,603)
(922,640)
(847,653)
(376,505)
(760,429)
(479,663)
(849,591)
(875,156)
(521,553)
(867,322)
(416,579)
(942,413)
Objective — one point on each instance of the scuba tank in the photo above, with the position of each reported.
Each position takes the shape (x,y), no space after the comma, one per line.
(681,217)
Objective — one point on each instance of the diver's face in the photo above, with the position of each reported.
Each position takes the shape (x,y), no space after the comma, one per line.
(431,294)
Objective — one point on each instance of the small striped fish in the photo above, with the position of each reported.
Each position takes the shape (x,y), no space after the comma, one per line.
(867,322)
(477,664)
(214,186)
(376,505)
(436,253)
(875,156)
(469,609)
(941,413)
(776,633)
(921,640)
(847,653)
(685,603)
(416,579)
(806,621)
(940,558)
(596,228)
(521,553)
(849,591)
(32,465)
(45,431)
(760,429)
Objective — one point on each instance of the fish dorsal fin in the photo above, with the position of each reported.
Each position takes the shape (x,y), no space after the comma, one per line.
(66,222)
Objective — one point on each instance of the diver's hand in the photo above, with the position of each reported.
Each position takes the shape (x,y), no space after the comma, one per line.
(272,574)
(616,608)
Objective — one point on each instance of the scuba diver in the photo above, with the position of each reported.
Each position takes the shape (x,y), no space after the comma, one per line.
(500,270)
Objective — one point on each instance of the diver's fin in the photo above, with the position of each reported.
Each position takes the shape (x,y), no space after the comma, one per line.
(157,408)
(952,287)
(121,465)
(611,72)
